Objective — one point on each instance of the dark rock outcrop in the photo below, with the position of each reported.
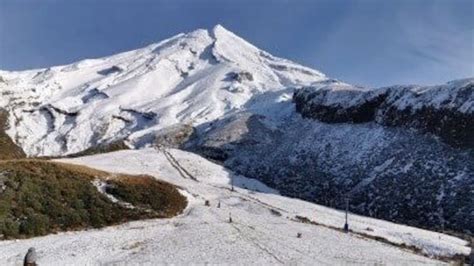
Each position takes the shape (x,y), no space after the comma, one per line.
(446,111)
(240,76)
(174,136)
(111,70)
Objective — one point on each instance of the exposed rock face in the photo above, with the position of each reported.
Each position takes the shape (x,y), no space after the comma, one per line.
(446,111)
(8,149)
(334,101)
(175,136)
(111,70)
(241,76)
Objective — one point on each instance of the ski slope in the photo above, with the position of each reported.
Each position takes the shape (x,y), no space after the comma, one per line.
(263,229)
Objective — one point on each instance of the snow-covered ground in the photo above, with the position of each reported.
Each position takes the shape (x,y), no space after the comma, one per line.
(263,231)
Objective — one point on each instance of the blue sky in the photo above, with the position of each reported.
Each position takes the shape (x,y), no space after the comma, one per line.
(366,42)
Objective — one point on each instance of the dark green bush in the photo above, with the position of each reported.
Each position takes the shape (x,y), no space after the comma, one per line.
(147,193)
(41,197)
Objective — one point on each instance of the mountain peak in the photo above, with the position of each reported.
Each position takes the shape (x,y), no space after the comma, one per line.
(222,34)
(219,27)
(221,30)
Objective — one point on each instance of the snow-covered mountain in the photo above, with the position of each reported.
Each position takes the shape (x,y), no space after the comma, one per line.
(190,78)
(402,153)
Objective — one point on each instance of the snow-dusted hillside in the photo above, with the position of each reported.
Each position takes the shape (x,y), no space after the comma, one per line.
(390,173)
(264,226)
(190,78)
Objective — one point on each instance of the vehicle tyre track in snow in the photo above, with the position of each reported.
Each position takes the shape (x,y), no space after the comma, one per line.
(182,171)
(281,244)
(252,199)
(258,245)
(251,240)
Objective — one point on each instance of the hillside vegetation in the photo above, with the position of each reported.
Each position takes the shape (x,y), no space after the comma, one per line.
(41,197)
(101,148)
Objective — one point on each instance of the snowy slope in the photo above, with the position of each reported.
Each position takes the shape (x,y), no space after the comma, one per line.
(190,78)
(202,234)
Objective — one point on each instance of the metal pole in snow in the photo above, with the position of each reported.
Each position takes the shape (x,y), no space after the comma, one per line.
(346,225)
(347,208)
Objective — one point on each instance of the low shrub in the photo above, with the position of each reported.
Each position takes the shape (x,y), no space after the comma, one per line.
(41,197)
